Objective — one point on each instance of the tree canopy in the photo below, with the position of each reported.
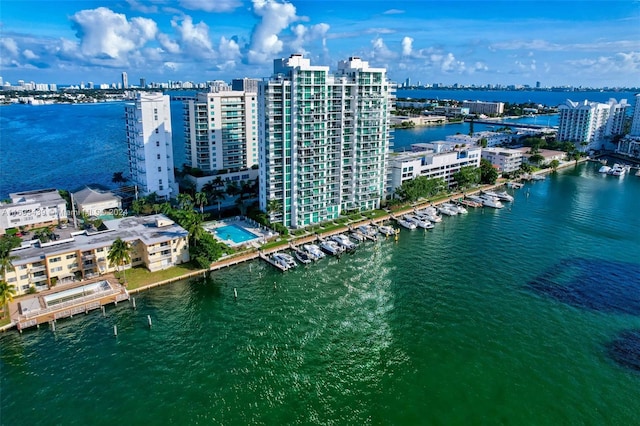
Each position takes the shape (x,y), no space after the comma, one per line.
(420,187)
(467,176)
(488,173)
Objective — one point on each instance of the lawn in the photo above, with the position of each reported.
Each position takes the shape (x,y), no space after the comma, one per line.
(139,277)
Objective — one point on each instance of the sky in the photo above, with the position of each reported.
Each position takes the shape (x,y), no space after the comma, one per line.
(558,43)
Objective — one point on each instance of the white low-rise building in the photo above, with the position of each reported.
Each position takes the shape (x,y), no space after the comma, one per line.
(33,209)
(430,163)
(96,203)
(503,159)
(548,154)
(492,138)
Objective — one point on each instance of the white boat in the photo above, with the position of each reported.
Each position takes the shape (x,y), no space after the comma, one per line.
(303,256)
(430,214)
(331,247)
(502,196)
(538,177)
(418,221)
(357,236)
(344,241)
(314,251)
(604,169)
(617,170)
(284,260)
(386,230)
(490,201)
(474,198)
(638,172)
(461,209)
(367,230)
(514,185)
(406,223)
(455,208)
(447,211)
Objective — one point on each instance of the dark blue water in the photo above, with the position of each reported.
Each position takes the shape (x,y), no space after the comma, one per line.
(67,146)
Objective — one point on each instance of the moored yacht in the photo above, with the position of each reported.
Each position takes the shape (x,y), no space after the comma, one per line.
(617,170)
(490,201)
(386,230)
(504,196)
(406,223)
(419,221)
(357,236)
(285,260)
(303,256)
(367,230)
(442,209)
(344,241)
(314,251)
(604,169)
(331,247)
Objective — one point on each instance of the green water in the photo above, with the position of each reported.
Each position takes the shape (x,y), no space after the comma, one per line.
(442,327)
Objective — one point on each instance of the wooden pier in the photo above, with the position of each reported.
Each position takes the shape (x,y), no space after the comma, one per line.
(272,263)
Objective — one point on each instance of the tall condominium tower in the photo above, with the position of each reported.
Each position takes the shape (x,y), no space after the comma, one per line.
(125,80)
(324,139)
(149,140)
(221,131)
(590,122)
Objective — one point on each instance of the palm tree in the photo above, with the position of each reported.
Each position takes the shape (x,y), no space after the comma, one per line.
(118,177)
(273,207)
(185,201)
(7,291)
(194,227)
(119,255)
(7,244)
(201,199)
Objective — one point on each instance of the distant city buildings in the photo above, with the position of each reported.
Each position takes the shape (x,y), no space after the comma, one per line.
(323,138)
(486,108)
(149,141)
(590,124)
(125,81)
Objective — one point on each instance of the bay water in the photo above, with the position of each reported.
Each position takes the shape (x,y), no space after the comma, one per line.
(525,315)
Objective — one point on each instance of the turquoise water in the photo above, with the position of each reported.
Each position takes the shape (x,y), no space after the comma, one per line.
(235,233)
(526,315)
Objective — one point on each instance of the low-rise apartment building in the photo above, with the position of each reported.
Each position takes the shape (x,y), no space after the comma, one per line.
(486,108)
(503,159)
(156,243)
(33,209)
(430,163)
(492,138)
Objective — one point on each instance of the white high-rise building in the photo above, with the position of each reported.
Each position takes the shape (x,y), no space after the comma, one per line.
(221,131)
(590,122)
(324,139)
(149,140)
(125,80)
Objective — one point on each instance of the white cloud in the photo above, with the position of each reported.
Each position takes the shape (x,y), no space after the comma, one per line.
(28,53)
(193,38)
(229,49)
(381,51)
(449,63)
(171,66)
(105,34)
(167,44)
(9,45)
(308,34)
(407,46)
(139,7)
(275,17)
(211,5)
(393,12)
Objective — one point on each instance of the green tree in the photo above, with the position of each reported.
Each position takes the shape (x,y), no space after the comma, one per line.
(118,177)
(119,255)
(274,207)
(467,176)
(554,164)
(7,243)
(7,292)
(185,201)
(488,173)
(536,159)
(201,199)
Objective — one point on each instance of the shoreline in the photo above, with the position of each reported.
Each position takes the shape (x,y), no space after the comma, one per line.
(254,254)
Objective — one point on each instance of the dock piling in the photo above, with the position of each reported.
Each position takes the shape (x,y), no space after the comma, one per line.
(149,320)
(115,330)
(133,302)
(104,313)
(235,293)
(53,326)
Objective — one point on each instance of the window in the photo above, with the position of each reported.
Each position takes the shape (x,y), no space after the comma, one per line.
(157,130)
(159,181)
(71,256)
(157,143)
(158,156)
(159,168)
(55,259)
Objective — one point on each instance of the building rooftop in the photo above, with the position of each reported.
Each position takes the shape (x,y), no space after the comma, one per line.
(148,229)
(36,196)
(89,195)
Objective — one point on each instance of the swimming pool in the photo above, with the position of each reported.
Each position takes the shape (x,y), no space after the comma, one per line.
(235,233)
(75,293)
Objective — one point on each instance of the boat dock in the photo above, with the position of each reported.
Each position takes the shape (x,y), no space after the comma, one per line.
(272,263)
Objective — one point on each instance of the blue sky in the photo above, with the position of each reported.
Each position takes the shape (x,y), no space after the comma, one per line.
(579,43)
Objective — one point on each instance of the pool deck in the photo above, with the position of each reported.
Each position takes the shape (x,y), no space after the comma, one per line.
(81,305)
(262,233)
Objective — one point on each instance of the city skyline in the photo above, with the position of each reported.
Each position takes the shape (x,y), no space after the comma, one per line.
(518,42)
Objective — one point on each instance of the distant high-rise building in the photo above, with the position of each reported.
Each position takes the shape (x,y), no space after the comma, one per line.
(245,84)
(630,144)
(407,82)
(125,80)
(537,84)
(221,131)
(590,123)
(143,83)
(149,140)
(324,139)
